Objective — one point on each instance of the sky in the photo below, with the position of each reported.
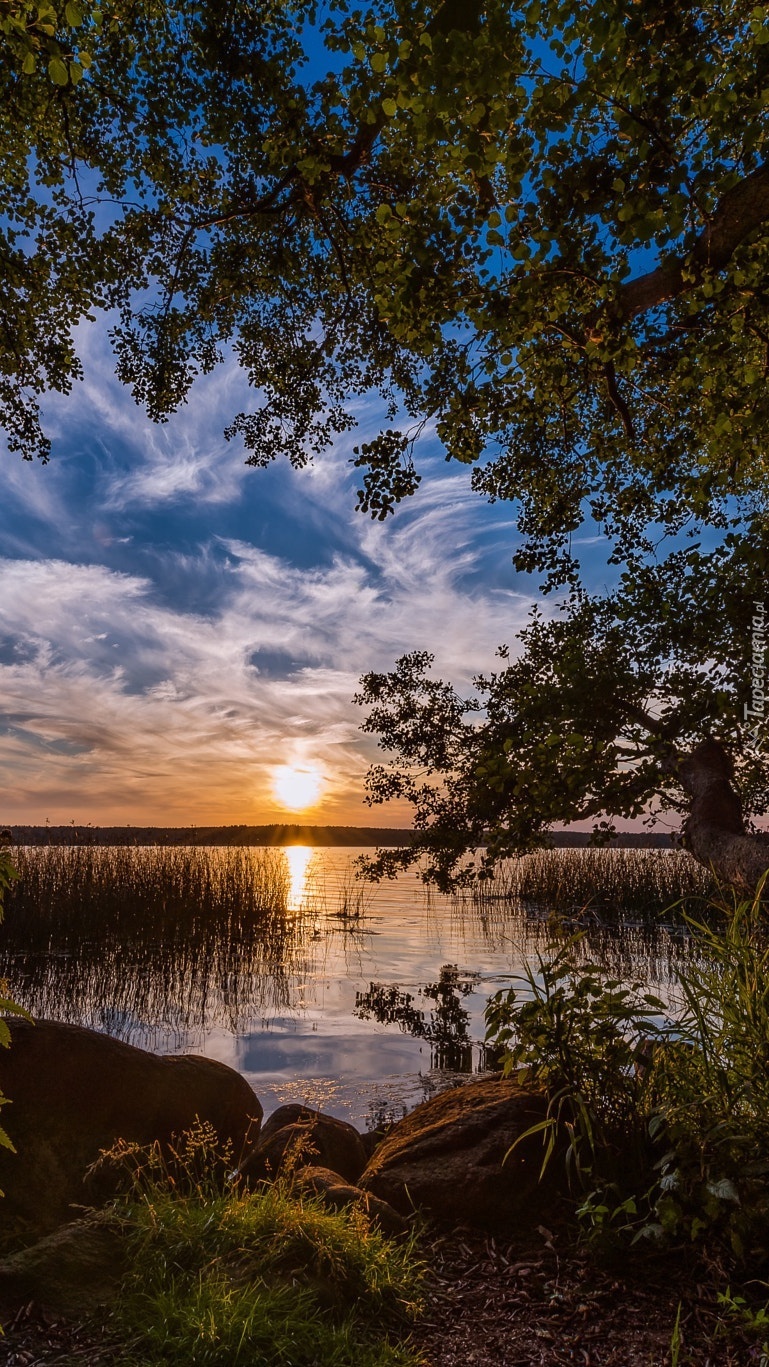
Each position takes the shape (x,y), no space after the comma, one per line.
(181,635)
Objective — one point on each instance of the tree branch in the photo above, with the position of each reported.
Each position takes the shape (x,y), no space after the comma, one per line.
(617,401)
(738,213)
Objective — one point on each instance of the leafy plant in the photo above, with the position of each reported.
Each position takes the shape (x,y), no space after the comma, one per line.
(663,1119)
(585,1037)
(753,1320)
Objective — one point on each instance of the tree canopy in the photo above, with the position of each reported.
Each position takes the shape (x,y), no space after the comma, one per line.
(543,231)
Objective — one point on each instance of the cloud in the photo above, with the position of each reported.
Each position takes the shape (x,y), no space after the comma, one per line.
(119,702)
(175,626)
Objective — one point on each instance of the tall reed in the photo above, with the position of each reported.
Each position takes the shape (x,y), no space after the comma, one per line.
(602,880)
(184,937)
(130,884)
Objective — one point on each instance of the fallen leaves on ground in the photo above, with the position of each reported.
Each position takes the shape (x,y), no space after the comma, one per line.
(549,1304)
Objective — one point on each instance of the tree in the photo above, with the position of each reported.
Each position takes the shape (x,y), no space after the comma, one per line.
(544,230)
(621,705)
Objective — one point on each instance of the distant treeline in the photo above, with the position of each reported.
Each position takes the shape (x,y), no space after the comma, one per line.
(207,835)
(278,835)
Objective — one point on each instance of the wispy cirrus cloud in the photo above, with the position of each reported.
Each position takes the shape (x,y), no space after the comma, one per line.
(174,626)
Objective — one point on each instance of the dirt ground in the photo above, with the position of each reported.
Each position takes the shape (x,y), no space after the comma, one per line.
(548,1304)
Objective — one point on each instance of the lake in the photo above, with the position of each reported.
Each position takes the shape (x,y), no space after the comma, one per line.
(359,999)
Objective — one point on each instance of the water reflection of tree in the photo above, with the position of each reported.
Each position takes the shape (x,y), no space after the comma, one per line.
(446,1029)
(179,940)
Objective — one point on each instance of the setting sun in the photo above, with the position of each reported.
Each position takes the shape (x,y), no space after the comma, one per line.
(297,788)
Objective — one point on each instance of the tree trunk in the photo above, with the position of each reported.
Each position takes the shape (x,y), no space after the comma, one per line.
(714,832)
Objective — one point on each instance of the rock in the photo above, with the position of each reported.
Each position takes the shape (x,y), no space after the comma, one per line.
(371,1140)
(448,1156)
(70,1272)
(74,1092)
(338,1195)
(295,1136)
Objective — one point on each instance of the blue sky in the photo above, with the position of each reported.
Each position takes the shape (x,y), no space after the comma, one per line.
(176,627)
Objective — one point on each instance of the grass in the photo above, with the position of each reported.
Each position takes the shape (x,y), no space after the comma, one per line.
(267,1278)
(123,935)
(601,880)
(130,884)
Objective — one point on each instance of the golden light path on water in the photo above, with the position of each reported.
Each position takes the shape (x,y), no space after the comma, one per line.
(298,858)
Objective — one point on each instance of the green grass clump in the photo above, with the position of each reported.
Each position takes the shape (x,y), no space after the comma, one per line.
(267,1278)
(262,1278)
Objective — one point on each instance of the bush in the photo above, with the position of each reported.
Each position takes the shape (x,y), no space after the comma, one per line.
(663,1117)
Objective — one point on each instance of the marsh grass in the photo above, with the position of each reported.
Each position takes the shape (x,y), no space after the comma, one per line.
(602,881)
(148,884)
(124,935)
(266,1278)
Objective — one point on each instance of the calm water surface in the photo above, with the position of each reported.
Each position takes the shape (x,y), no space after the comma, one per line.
(283,1005)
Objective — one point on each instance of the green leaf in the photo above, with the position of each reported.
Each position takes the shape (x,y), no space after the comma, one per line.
(379,61)
(390,108)
(57,70)
(29,64)
(73,14)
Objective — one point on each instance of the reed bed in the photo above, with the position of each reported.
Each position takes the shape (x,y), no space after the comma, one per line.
(147,884)
(644,882)
(185,938)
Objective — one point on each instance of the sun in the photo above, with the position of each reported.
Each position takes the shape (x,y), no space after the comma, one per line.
(297,788)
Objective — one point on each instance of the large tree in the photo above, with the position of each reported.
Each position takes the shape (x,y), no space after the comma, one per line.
(545,232)
(619,706)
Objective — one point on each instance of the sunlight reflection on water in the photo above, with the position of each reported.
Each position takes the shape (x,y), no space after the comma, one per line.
(298,858)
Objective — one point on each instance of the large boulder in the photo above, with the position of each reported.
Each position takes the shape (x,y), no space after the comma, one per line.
(451,1156)
(296,1136)
(74,1092)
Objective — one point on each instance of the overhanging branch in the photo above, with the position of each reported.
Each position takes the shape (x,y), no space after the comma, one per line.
(738,213)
